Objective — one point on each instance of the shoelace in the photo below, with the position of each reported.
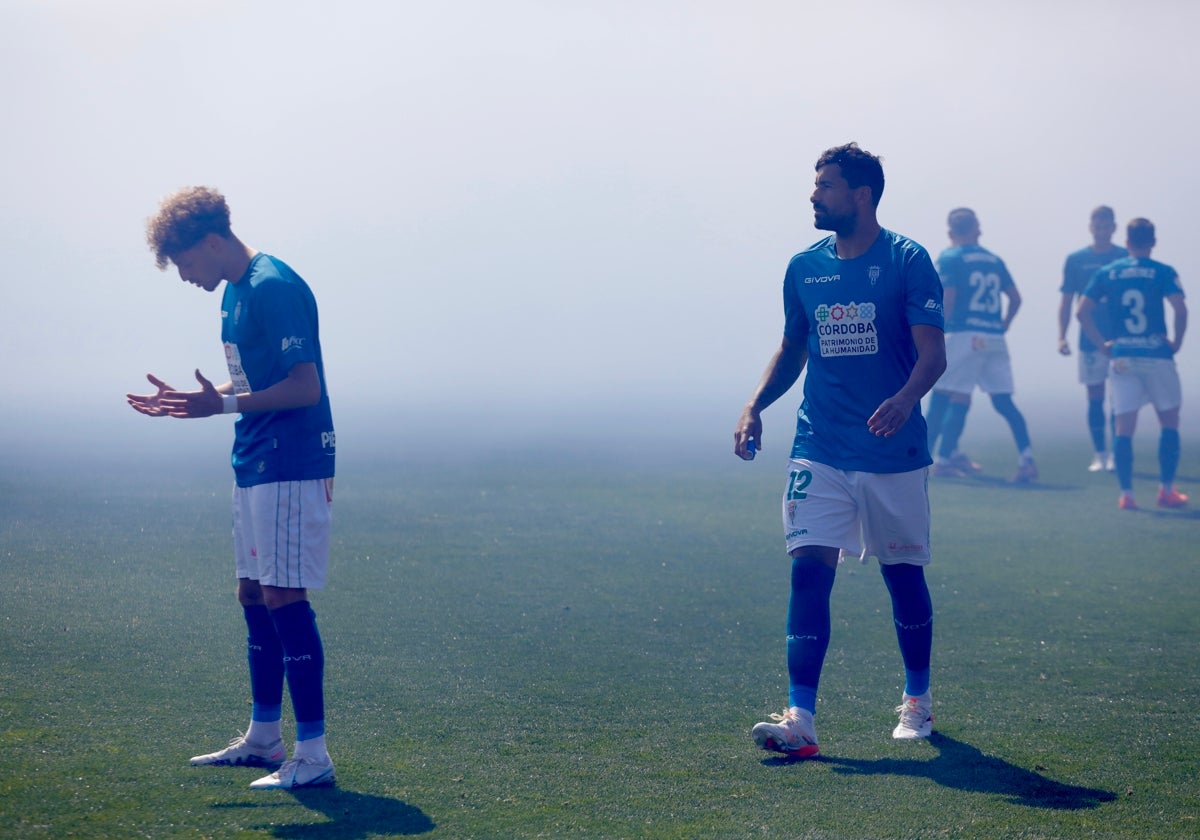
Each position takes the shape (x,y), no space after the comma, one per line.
(911,715)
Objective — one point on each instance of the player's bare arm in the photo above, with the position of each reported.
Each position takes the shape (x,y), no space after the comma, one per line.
(1014,304)
(1087,322)
(781,374)
(1064,321)
(301,388)
(949,298)
(894,412)
(1181,315)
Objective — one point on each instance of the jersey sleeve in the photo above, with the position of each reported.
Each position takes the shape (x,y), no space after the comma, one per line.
(923,291)
(795,319)
(286,322)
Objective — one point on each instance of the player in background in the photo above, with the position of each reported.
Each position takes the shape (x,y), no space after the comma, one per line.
(1081,265)
(1142,367)
(863,313)
(975,284)
(283,463)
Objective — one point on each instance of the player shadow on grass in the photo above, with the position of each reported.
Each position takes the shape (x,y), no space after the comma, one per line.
(963,767)
(352,815)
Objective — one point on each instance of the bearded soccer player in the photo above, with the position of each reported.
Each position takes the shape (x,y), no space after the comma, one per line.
(283,460)
(1142,354)
(863,313)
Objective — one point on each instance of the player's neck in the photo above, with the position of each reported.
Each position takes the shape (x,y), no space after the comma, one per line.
(240,256)
(857,242)
(1102,247)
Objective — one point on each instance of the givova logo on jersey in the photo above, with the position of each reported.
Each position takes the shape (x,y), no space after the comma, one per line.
(847,329)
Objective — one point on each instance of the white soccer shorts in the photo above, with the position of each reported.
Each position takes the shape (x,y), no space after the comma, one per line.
(1137,381)
(281,532)
(880,515)
(976,359)
(1093,367)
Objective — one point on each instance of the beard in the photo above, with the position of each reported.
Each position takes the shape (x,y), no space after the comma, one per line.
(842,225)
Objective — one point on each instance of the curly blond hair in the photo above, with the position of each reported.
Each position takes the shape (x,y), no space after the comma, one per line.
(183,219)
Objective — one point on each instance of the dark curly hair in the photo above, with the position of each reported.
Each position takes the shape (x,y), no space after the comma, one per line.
(183,219)
(860,168)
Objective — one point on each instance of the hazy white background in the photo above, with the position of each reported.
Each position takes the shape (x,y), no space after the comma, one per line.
(541,220)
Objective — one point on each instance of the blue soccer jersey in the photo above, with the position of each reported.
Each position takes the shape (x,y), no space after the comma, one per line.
(269,324)
(855,317)
(1132,291)
(1077,273)
(978,277)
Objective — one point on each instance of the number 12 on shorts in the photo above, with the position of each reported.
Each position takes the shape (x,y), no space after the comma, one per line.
(798,481)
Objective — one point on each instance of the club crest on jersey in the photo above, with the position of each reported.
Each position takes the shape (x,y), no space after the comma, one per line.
(874,273)
(847,329)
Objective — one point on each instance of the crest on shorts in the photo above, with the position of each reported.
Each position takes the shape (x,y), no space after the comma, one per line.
(874,273)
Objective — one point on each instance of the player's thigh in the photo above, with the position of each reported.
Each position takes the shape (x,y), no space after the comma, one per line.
(284,533)
(1126,388)
(819,508)
(963,363)
(895,516)
(1093,369)
(1161,380)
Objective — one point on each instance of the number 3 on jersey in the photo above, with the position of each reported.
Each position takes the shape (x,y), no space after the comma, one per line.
(798,481)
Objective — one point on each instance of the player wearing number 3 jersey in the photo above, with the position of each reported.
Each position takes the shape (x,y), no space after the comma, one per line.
(976,283)
(1131,292)
(863,314)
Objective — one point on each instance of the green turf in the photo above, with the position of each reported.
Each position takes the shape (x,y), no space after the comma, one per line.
(575,646)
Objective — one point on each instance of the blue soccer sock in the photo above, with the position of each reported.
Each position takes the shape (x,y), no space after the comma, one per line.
(952,428)
(1016,422)
(1168,456)
(264,655)
(912,612)
(1123,460)
(1095,422)
(808,629)
(304,662)
(936,416)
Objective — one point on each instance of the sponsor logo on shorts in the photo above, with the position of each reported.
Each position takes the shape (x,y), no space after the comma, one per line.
(895,546)
(791,535)
(293,342)
(305,658)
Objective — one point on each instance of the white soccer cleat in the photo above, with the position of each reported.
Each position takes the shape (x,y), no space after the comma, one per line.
(298,773)
(242,753)
(1099,463)
(916,717)
(792,733)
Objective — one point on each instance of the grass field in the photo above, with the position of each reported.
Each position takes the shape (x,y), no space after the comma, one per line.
(572,645)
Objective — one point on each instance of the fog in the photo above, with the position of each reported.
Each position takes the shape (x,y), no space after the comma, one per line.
(541,221)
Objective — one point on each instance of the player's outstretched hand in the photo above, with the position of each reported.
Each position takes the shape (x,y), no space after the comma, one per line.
(203,403)
(150,404)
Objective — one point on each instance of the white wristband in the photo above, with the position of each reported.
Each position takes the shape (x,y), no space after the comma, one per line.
(229,404)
